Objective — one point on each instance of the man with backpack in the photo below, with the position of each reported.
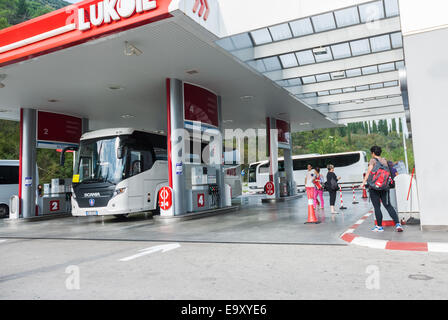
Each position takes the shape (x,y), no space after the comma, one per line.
(379,179)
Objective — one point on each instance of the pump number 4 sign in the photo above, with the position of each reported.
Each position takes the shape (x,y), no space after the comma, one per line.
(201,200)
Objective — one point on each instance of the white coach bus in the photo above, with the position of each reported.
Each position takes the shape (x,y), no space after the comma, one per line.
(9,184)
(350,166)
(121,171)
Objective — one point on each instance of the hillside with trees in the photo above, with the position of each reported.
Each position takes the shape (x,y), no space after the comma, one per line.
(16,11)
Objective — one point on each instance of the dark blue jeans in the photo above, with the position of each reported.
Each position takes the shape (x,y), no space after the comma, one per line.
(378,196)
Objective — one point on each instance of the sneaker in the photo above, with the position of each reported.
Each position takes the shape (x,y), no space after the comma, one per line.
(378,229)
(398,227)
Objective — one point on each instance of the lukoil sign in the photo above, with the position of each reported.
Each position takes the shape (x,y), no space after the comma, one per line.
(108,11)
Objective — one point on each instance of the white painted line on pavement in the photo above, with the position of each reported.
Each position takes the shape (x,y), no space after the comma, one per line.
(371,243)
(349,231)
(144,252)
(437,247)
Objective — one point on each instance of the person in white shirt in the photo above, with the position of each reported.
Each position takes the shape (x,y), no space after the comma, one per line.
(309,185)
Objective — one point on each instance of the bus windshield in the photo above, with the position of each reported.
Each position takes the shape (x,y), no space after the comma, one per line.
(97,161)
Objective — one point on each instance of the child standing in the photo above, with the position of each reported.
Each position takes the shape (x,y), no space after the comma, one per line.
(318,188)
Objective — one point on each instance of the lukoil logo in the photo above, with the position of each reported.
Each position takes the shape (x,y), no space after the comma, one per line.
(204,7)
(108,11)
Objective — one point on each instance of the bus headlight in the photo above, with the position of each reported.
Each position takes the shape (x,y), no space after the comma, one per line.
(119,191)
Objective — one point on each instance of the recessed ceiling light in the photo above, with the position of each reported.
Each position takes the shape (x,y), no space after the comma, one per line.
(192,72)
(304,123)
(227,121)
(53,100)
(246,98)
(114,88)
(127,116)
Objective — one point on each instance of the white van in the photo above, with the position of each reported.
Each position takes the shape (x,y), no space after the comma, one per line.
(9,184)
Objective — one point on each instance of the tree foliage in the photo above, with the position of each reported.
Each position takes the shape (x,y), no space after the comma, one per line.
(47,160)
(16,11)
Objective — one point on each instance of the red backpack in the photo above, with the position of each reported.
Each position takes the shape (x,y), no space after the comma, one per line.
(379,178)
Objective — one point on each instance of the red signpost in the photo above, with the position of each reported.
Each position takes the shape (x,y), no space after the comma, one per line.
(269,188)
(165,198)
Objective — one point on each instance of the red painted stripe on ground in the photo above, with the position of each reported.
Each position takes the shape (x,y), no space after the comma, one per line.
(354,226)
(408,246)
(349,237)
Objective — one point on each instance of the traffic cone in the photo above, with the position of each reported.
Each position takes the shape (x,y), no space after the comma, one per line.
(311,213)
(364,192)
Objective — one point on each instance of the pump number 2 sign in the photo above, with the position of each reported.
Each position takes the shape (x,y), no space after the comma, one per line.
(55,205)
(201,200)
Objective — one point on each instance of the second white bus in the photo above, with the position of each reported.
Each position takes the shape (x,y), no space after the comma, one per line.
(350,166)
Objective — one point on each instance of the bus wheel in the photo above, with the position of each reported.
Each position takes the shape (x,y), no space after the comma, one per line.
(156,212)
(121,216)
(4,211)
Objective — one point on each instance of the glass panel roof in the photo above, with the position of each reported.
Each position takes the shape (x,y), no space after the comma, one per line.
(305,57)
(338,75)
(399,64)
(362,88)
(226,44)
(369,70)
(261,36)
(323,77)
(301,27)
(310,79)
(324,22)
(242,41)
(289,60)
(324,57)
(280,32)
(272,64)
(376,86)
(390,84)
(360,47)
(347,17)
(392,8)
(257,65)
(371,11)
(336,91)
(342,18)
(397,40)
(353,73)
(386,67)
(341,51)
(380,43)
(295,82)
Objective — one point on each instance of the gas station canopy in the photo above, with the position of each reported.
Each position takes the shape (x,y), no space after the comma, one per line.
(113,73)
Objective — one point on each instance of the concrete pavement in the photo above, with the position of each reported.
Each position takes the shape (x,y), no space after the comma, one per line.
(49,269)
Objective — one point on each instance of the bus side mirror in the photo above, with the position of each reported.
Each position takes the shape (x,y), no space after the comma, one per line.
(62,159)
(120,152)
